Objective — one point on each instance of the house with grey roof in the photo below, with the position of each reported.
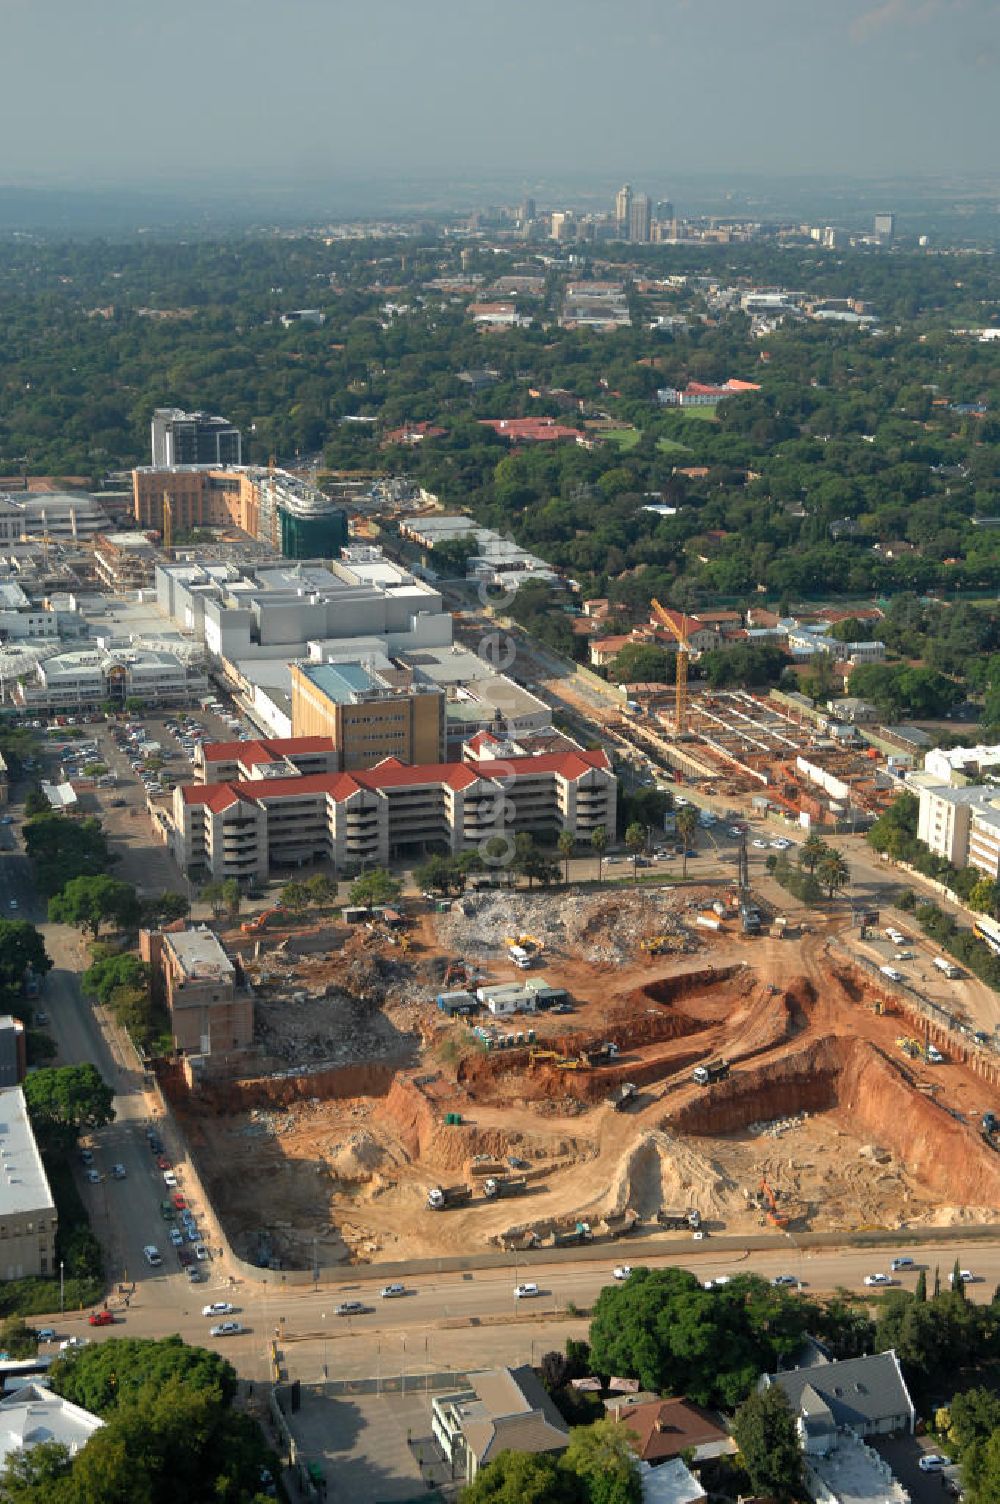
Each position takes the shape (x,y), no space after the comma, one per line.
(503,1409)
(866,1396)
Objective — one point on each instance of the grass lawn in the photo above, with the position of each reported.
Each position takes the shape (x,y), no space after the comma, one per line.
(671,446)
(625,438)
(699,414)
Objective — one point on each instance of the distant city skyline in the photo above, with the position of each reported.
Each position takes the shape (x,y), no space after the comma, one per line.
(115,94)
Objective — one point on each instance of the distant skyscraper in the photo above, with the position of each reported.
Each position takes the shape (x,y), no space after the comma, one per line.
(181,438)
(664,209)
(623,206)
(528,211)
(885,226)
(639,218)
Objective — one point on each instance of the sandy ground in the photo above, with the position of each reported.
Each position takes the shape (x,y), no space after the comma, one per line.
(821,1111)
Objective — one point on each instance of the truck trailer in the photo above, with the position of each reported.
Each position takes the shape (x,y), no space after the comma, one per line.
(440,1197)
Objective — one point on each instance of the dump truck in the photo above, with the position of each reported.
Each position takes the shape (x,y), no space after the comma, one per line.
(623,1095)
(712,1070)
(440,1197)
(750,919)
(599,1054)
(581,1233)
(679,1219)
(506,1185)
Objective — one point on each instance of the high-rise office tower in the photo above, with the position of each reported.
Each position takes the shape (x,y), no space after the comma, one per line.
(885,226)
(664,209)
(623,205)
(639,217)
(527,211)
(181,438)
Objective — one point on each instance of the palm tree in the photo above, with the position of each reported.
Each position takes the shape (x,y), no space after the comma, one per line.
(599,841)
(832,871)
(566,843)
(635,840)
(812,852)
(687,824)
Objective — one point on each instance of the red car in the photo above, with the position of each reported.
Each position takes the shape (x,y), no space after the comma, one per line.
(185,1256)
(101,1318)
(179,1202)
(163,1162)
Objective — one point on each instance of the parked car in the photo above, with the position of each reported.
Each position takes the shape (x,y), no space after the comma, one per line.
(933,1462)
(170,1180)
(176,1237)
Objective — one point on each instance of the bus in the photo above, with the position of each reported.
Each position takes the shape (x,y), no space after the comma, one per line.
(988,931)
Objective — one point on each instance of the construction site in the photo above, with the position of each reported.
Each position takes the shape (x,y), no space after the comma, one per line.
(538,1068)
(747,748)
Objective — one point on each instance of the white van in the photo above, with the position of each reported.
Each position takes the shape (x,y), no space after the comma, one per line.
(152,1255)
(891,973)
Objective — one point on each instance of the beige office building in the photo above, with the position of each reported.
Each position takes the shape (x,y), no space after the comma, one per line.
(27,1211)
(368,715)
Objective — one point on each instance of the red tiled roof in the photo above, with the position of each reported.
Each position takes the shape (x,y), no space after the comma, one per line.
(483,739)
(665,1428)
(529,428)
(217,796)
(265,748)
(391,774)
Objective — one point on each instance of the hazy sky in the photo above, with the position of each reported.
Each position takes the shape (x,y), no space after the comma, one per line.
(108,91)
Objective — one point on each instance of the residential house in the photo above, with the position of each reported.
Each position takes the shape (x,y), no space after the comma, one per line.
(666,1428)
(866,1396)
(503,1409)
(33,1414)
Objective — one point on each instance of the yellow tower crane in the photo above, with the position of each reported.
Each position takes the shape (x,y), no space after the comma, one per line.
(683,652)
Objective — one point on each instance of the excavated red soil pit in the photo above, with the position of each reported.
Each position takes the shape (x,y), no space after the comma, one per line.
(855,1080)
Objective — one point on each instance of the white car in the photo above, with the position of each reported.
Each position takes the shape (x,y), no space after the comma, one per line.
(622,1271)
(177,1237)
(226,1329)
(902,1261)
(734,830)
(118,1172)
(524,1292)
(201,1253)
(389,1292)
(170,1180)
(933,1462)
(94,1177)
(965,1277)
(877,1279)
(761,845)
(218,1308)
(69,1343)
(784,1279)
(152,1255)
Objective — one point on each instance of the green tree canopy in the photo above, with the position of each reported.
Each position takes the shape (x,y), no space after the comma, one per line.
(600,1457)
(664,1329)
(21,947)
(64,1101)
(523,1478)
(62,849)
(89,902)
(104,1375)
(765,1432)
(375,889)
(108,973)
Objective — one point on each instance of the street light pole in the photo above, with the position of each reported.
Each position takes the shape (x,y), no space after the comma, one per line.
(62,1287)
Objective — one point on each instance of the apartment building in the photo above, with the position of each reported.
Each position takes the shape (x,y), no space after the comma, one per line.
(368,715)
(211,1010)
(27,1211)
(502,1409)
(244,828)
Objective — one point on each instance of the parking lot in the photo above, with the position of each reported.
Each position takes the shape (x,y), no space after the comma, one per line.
(372,1447)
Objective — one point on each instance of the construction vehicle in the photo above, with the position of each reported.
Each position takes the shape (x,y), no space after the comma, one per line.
(252,926)
(509,1185)
(909,1047)
(679,1220)
(679,632)
(657,945)
(440,1197)
(771,1209)
(712,1070)
(520,957)
(581,1233)
(750,918)
(990,1130)
(539,1057)
(623,1095)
